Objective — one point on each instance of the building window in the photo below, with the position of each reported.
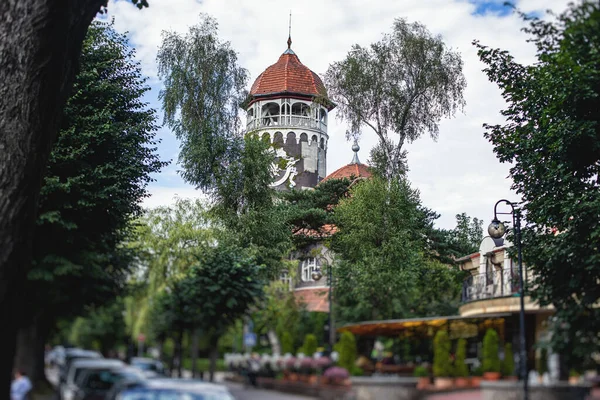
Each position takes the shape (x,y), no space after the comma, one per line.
(286,278)
(308,266)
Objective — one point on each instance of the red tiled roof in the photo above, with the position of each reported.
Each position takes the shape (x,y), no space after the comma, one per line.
(315,299)
(326,230)
(289,75)
(350,170)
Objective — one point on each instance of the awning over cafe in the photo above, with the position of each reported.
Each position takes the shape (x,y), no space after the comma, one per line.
(457,325)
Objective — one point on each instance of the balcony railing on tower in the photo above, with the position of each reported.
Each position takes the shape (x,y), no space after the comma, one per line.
(489,285)
(286,121)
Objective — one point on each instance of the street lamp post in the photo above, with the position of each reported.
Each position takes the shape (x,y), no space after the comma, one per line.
(317,275)
(497,229)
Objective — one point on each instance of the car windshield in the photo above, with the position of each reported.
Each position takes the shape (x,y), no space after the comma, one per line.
(101,380)
(170,394)
(145,365)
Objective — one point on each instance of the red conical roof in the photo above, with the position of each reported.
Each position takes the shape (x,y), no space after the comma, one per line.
(350,171)
(288,75)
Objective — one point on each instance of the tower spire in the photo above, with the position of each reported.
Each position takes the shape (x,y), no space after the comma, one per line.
(355,149)
(289,41)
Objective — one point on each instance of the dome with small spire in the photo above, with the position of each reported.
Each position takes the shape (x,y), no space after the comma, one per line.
(288,76)
(353,170)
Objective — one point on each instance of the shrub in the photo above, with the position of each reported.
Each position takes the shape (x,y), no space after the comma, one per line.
(542,362)
(287,343)
(477,371)
(491,360)
(309,347)
(420,371)
(346,347)
(460,367)
(441,354)
(508,365)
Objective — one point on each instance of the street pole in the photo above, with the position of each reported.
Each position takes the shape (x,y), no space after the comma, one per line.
(330,315)
(497,230)
(523,353)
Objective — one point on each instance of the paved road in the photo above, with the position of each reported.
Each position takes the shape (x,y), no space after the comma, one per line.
(258,394)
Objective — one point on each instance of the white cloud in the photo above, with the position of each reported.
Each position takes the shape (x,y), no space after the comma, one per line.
(458,173)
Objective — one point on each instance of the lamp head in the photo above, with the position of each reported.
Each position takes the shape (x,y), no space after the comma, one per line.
(496,229)
(317,274)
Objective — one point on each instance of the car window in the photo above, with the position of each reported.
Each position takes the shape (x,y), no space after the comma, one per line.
(100,380)
(168,394)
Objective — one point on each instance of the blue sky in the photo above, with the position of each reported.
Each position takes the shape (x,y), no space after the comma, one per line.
(457,173)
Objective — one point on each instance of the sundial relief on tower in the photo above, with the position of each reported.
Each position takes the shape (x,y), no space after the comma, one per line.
(288,105)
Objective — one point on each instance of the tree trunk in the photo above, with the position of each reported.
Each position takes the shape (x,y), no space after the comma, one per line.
(31,341)
(195,346)
(213,355)
(275,346)
(179,351)
(39,53)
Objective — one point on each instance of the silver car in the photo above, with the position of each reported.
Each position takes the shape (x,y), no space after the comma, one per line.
(175,389)
(69,388)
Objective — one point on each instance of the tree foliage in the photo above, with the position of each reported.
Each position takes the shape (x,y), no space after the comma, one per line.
(95,180)
(552,140)
(383,263)
(442,365)
(346,347)
(400,87)
(491,359)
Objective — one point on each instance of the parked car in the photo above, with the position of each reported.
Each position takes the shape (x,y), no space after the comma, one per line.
(120,386)
(95,384)
(72,355)
(55,357)
(150,367)
(69,388)
(175,389)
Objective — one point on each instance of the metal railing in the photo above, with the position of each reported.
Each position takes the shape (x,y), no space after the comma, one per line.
(488,285)
(286,121)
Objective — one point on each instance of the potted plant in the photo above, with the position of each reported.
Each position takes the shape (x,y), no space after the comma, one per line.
(442,367)
(542,364)
(336,375)
(461,371)
(290,367)
(491,360)
(508,364)
(423,375)
(574,377)
(476,377)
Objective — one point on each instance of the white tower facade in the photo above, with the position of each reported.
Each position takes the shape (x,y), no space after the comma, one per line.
(288,106)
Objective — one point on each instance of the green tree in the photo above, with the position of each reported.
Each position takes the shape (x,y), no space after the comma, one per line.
(491,359)
(95,180)
(287,343)
(381,246)
(442,366)
(460,367)
(39,52)
(551,138)
(309,347)
(346,347)
(400,87)
(203,89)
(508,364)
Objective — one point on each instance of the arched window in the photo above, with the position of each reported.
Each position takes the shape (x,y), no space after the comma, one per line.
(278,138)
(266,138)
(323,116)
(291,138)
(308,266)
(313,139)
(270,114)
(323,143)
(303,137)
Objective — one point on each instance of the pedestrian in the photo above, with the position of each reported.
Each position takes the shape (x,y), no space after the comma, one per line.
(20,387)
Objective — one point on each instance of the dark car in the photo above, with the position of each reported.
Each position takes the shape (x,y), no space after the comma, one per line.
(72,355)
(95,384)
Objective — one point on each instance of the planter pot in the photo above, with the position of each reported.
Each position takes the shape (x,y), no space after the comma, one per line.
(423,382)
(476,381)
(573,380)
(511,378)
(462,382)
(491,376)
(313,379)
(443,383)
(293,377)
